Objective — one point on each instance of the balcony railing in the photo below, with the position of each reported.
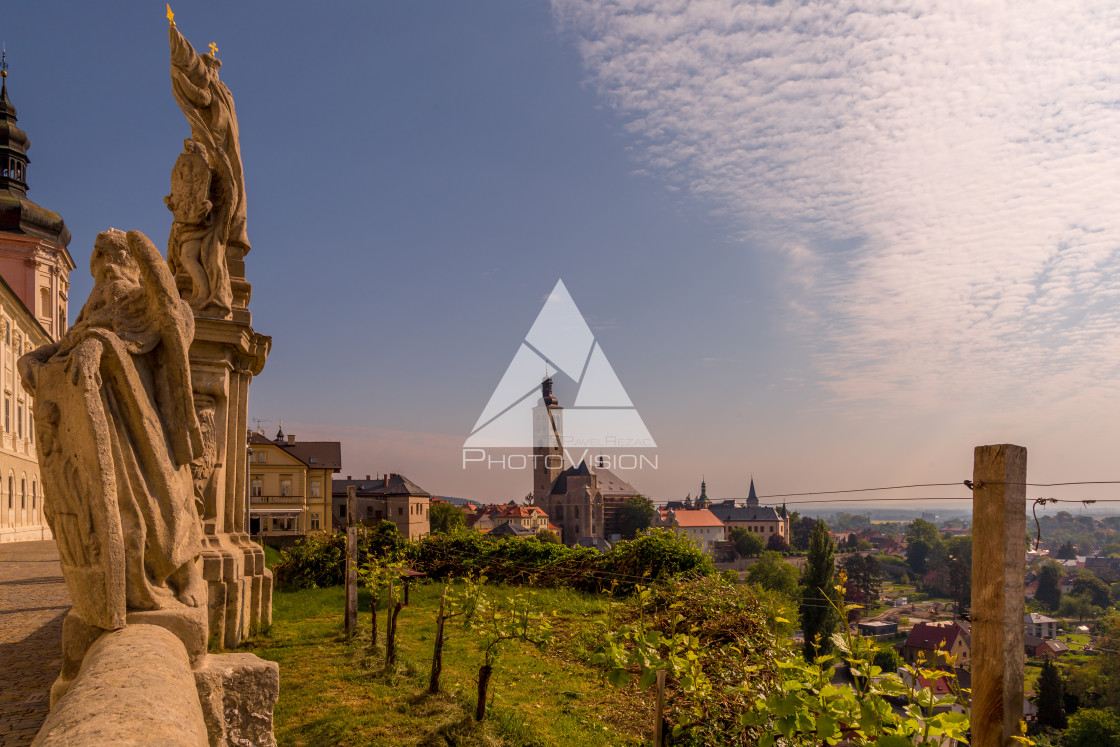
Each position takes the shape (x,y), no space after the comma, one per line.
(276,498)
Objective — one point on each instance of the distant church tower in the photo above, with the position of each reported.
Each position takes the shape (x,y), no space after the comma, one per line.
(703,501)
(34,261)
(548,449)
(752,497)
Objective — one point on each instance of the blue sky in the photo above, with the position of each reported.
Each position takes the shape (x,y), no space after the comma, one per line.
(828,247)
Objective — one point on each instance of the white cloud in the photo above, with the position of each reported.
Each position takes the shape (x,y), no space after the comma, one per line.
(969,154)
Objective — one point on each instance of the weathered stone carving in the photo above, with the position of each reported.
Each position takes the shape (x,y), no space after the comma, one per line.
(118,432)
(207,185)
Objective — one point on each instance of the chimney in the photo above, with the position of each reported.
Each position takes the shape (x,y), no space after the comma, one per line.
(349,477)
(368,477)
(291,439)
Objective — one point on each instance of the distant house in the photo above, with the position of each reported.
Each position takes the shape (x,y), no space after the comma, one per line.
(926,640)
(1040,626)
(392,497)
(510,529)
(530,517)
(901,602)
(878,629)
(480,521)
(1042,648)
(699,525)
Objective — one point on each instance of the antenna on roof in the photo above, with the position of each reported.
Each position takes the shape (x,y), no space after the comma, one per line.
(258,422)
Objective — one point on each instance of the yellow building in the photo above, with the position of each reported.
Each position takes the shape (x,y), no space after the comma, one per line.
(34,285)
(289,486)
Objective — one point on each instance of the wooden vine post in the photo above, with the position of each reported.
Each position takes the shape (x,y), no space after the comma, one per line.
(437,657)
(998,564)
(391,629)
(659,714)
(351,561)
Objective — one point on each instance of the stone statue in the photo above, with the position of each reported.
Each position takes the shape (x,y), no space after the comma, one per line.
(207,185)
(117,434)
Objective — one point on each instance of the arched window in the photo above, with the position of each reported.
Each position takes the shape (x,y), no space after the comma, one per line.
(11,489)
(23,492)
(34,487)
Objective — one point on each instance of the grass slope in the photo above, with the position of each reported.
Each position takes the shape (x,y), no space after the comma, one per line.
(335,692)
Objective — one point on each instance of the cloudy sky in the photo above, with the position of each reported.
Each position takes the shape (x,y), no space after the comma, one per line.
(827,244)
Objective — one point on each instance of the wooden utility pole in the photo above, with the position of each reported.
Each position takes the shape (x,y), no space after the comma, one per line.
(351,561)
(999,530)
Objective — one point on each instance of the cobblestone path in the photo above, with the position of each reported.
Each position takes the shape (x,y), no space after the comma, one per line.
(33,601)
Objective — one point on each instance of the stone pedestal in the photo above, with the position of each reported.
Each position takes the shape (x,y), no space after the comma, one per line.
(224,357)
(238,693)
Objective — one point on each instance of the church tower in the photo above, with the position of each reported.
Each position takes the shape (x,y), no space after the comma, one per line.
(548,449)
(703,501)
(34,261)
(752,497)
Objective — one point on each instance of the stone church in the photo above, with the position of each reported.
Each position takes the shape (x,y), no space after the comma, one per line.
(583,500)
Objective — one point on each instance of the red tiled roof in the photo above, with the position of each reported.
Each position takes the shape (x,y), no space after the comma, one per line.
(522,512)
(700,517)
(930,637)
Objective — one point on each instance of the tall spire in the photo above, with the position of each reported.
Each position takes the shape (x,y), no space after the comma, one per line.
(752,498)
(703,501)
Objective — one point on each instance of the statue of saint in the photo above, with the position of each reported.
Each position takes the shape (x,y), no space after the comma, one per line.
(209,205)
(117,433)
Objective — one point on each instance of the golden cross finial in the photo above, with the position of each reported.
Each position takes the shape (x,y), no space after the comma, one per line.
(213,49)
(170,15)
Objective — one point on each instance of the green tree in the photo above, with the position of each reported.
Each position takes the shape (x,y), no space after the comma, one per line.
(777,543)
(1049,695)
(1067,551)
(923,546)
(773,573)
(1078,605)
(887,659)
(1088,585)
(1049,591)
(818,613)
(800,530)
(1092,727)
(958,552)
(443,518)
(747,543)
(548,537)
(864,580)
(636,515)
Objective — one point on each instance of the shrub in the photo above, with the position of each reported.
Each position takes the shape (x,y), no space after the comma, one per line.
(319,559)
(654,556)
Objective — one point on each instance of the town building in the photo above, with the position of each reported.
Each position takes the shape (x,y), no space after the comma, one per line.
(1039,625)
(288,482)
(927,640)
(392,497)
(510,529)
(35,271)
(878,628)
(1043,648)
(700,525)
(762,521)
(581,500)
(531,517)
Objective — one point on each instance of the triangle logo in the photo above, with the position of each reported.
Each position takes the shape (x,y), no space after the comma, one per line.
(602,415)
